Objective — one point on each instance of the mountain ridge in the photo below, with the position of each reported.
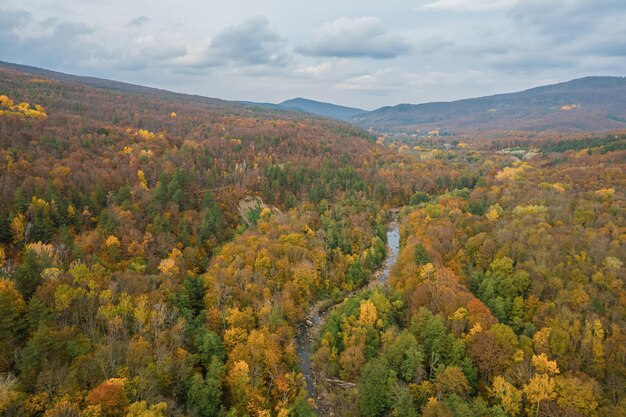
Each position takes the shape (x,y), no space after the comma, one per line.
(321,108)
(593,103)
(590,103)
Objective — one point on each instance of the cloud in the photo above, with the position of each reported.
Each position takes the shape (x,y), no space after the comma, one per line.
(433,44)
(364,37)
(251,42)
(48,43)
(139,21)
(569,20)
(11,19)
(415,86)
(466,5)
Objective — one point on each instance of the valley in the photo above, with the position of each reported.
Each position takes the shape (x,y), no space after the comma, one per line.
(171,255)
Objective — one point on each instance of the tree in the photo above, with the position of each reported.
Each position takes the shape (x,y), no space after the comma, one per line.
(577,395)
(205,393)
(403,403)
(538,389)
(12,309)
(404,356)
(421,255)
(375,389)
(28,274)
(509,396)
(18,228)
(110,396)
(64,408)
(141,409)
(451,381)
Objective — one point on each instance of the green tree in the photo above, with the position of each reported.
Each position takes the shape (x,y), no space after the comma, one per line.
(421,255)
(28,274)
(205,393)
(375,388)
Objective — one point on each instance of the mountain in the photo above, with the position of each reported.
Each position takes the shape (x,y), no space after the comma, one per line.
(585,104)
(122,87)
(320,108)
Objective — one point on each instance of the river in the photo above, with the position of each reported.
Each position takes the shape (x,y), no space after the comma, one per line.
(309,331)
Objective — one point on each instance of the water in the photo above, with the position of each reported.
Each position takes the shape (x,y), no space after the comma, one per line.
(307,331)
(393,248)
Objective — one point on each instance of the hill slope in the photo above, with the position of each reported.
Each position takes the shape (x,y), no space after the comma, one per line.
(320,108)
(585,104)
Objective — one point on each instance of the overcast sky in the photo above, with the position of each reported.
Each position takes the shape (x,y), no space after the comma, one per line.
(359,53)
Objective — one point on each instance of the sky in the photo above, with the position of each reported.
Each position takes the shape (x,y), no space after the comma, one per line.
(365,54)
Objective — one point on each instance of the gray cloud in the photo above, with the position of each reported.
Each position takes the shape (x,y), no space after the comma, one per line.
(433,44)
(49,43)
(466,5)
(567,20)
(11,19)
(139,21)
(349,38)
(251,42)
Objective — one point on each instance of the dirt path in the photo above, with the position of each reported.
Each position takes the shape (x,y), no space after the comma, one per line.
(316,316)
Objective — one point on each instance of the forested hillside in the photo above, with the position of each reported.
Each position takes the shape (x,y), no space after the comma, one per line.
(159,252)
(506,300)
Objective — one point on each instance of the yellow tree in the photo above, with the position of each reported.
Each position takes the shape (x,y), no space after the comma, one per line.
(509,396)
(539,388)
(576,394)
(18,228)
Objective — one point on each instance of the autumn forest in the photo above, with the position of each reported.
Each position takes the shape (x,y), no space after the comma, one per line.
(171,255)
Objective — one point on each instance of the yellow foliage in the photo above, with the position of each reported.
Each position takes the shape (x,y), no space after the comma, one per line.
(42,249)
(141,409)
(459,314)
(173,115)
(537,210)
(510,396)
(5,101)
(112,241)
(492,214)
(605,192)
(92,411)
(477,328)
(147,135)
(541,339)
(234,336)
(168,267)
(612,263)
(368,313)
(427,270)
(142,179)
(2,257)
(575,394)
(539,388)
(21,110)
(543,365)
(61,171)
(518,356)
(51,273)
(265,213)
(18,228)
(240,371)
(507,174)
